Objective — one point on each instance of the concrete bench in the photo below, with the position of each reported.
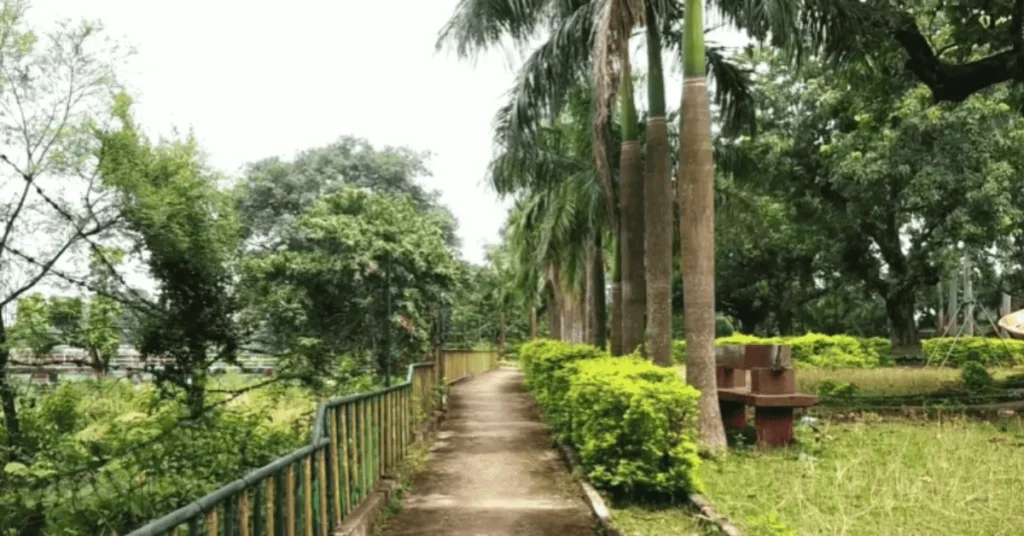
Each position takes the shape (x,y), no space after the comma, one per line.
(771,390)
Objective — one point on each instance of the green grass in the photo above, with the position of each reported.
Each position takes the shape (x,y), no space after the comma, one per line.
(638,521)
(956,477)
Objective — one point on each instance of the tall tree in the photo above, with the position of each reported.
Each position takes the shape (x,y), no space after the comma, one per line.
(187,226)
(658,206)
(887,181)
(324,295)
(274,192)
(697,228)
(55,86)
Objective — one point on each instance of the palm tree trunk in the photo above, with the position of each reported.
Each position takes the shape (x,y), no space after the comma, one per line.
(502,329)
(631,207)
(952,306)
(697,228)
(658,206)
(595,294)
(533,322)
(617,297)
(555,314)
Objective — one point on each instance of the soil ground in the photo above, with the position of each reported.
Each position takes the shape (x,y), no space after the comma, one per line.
(492,470)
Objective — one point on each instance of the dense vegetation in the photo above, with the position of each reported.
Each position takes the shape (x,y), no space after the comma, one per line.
(631,422)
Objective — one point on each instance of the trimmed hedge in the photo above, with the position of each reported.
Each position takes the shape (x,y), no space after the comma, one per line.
(815,350)
(632,422)
(987,351)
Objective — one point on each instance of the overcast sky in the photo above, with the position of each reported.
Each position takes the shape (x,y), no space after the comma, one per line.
(258,78)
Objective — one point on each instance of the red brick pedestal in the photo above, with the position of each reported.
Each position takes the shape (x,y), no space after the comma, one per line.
(734,415)
(774,426)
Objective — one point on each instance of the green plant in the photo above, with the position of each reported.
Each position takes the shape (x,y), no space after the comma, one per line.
(770,525)
(633,424)
(546,367)
(990,352)
(814,350)
(837,390)
(976,378)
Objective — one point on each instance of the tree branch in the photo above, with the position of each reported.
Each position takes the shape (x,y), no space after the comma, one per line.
(948,82)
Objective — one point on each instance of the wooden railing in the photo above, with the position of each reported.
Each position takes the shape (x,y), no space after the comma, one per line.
(356,441)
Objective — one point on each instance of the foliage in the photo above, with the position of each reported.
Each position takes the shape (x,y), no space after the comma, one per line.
(274,192)
(837,389)
(812,350)
(976,378)
(547,367)
(631,421)
(324,292)
(172,207)
(989,352)
(110,456)
(844,150)
(633,424)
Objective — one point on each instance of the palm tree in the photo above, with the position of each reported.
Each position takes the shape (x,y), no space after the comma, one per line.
(658,206)
(559,217)
(697,228)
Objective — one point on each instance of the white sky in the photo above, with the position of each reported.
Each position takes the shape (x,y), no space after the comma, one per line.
(257,78)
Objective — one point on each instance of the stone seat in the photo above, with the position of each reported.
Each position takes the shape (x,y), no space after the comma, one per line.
(772,390)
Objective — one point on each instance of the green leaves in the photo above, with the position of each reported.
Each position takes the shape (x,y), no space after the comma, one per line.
(326,284)
(632,422)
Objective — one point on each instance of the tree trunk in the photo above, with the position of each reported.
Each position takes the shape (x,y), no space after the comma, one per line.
(940,312)
(631,208)
(195,393)
(502,328)
(554,318)
(617,298)
(953,306)
(1005,308)
(658,207)
(968,297)
(899,308)
(533,323)
(697,228)
(8,398)
(595,294)
(558,322)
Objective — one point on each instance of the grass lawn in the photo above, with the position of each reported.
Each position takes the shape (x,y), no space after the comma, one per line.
(955,477)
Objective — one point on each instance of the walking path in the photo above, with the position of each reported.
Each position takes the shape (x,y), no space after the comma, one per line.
(492,470)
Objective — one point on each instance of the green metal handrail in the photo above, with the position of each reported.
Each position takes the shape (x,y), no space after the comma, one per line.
(356,440)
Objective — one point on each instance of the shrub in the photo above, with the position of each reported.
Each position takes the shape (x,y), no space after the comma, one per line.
(984,350)
(837,390)
(813,349)
(882,347)
(832,351)
(976,378)
(545,364)
(633,424)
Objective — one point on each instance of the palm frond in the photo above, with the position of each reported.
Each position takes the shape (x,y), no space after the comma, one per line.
(834,27)
(549,73)
(477,25)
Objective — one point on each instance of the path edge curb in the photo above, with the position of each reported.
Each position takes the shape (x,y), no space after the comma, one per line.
(590,495)
(704,506)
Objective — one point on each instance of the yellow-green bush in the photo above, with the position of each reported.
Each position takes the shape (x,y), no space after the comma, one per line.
(633,424)
(631,421)
(990,352)
(545,364)
(814,349)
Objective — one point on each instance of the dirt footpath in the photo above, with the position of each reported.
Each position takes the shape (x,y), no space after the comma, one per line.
(492,470)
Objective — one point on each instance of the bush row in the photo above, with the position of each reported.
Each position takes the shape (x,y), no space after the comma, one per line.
(845,351)
(632,423)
